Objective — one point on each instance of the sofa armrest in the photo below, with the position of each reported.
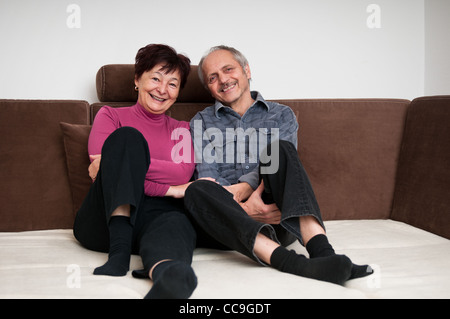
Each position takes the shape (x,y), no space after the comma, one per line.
(422,196)
(34,187)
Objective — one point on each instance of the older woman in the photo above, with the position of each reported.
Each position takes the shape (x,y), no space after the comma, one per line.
(134,204)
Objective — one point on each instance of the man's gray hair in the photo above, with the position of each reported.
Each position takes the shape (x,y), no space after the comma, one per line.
(238,56)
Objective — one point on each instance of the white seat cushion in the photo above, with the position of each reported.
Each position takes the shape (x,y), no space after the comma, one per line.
(409,263)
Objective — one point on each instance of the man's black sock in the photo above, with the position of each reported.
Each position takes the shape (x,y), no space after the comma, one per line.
(172,280)
(335,269)
(120,233)
(318,246)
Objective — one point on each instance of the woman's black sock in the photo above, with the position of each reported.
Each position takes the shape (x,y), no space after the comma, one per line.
(318,246)
(172,280)
(120,233)
(335,269)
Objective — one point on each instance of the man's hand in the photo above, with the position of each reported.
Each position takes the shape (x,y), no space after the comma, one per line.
(258,210)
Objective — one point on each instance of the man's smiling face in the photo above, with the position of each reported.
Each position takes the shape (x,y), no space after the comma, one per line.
(225,78)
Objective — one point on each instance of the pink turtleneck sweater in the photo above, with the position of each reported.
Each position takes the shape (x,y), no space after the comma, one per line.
(163,171)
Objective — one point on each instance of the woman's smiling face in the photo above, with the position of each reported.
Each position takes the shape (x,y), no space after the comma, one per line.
(158,90)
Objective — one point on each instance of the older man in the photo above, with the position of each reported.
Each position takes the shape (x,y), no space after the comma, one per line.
(259,202)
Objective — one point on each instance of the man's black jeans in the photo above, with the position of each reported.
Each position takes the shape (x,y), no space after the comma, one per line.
(214,211)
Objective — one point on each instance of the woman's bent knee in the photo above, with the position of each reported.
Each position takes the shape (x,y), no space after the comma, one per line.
(125,135)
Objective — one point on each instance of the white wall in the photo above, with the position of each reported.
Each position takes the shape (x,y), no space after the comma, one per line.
(437,47)
(296,48)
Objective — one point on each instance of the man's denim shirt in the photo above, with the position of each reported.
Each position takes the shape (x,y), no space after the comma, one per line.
(228,146)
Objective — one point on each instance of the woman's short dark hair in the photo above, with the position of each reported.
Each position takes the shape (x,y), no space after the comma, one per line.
(153,54)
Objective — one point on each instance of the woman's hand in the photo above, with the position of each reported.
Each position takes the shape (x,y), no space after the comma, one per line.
(179,190)
(95,166)
(240,191)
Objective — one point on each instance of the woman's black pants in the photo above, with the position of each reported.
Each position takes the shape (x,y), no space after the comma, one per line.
(214,211)
(161,229)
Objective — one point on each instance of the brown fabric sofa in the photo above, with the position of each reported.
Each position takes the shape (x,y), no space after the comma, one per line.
(368,159)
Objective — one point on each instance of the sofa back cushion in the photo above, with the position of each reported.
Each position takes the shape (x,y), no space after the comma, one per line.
(34,187)
(350,150)
(422,196)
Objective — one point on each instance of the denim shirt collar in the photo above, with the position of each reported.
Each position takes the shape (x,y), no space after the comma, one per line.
(255,95)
